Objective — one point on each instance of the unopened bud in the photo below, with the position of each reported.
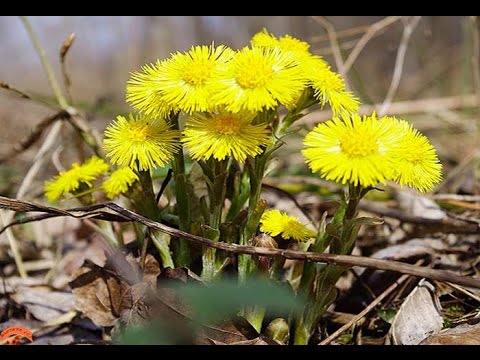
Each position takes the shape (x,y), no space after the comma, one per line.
(278,330)
(264,241)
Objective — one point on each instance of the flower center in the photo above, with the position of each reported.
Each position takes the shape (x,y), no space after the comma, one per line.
(253,75)
(140,132)
(357,144)
(412,156)
(226,125)
(198,72)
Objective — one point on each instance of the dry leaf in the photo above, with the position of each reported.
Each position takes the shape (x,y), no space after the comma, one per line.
(43,302)
(463,334)
(411,248)
(100,294)
(416,205)
(419,317)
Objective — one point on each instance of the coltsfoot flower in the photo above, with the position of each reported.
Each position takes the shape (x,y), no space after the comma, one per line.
(275,222)
(223,135)
(73,179)
(141,142)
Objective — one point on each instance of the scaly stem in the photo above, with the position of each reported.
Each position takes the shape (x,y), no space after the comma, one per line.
(181,248)
(217,199)
(318,281)
(146,204)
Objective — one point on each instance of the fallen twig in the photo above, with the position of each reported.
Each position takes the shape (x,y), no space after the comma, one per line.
(365,311)
(34,135)
(113,212)
(447,225)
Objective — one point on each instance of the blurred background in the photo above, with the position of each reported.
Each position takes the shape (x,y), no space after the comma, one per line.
(440,65)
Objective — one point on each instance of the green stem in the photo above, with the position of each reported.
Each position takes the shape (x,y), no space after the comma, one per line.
(318,281)
(181,247)
(161,240)
(217,199)
(146,204)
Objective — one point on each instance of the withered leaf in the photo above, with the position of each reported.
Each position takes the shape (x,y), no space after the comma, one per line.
(100,294)
(43,302)
(464,334)
(419,317)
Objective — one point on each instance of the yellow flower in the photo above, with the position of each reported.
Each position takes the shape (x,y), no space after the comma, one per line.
(71,180)
(265,39)
(353,150)
(416,162)
(140,142)
(144,92)
(224,134)
(329,87)
(119,182)
(259,78)
(275,223)
(186,81)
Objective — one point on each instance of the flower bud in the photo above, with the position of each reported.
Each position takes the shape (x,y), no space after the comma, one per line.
(278,330)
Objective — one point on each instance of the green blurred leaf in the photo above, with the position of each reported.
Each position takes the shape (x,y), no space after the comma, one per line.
(227,297)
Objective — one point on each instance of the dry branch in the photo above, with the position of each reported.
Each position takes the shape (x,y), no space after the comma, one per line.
(113,212)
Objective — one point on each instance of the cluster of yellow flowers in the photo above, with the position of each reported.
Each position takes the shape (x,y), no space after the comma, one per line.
(222,94)
(221,91)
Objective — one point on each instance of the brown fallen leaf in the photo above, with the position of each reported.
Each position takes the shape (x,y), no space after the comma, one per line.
(100,294)
(463,334)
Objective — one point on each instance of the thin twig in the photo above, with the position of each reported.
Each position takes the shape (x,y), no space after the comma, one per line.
(458,197)
(46,64)
(464,291)
(365,311)
(292,198)
(445,224)
(104,212)
(12,242)
(408,29)
(332,37)
(63,53)
(461,167)
(341,33)
(34,136)
(5,86)
(422,106)
(373,29)
(475,54)
(164,184)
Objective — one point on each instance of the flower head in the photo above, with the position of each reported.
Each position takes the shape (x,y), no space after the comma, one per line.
(275,223)
(259,78)
(144,92)
(140,142)
(352,150)
(186,81)
(416,161)
(329,87)
(224,134)
(286,43)
(119,182)
(71,180)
